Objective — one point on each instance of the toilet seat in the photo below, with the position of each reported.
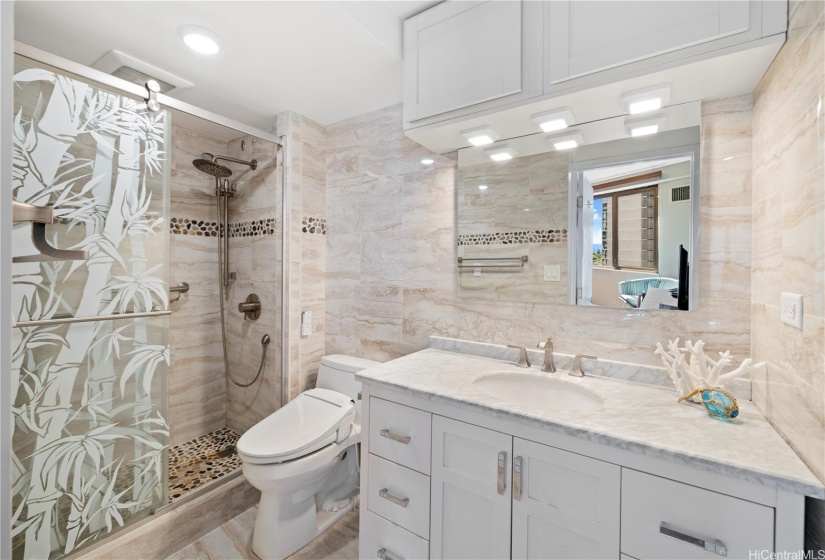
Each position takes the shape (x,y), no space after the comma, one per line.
(313,420)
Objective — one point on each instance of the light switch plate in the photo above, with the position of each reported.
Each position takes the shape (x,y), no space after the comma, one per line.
(790,309)
(552,273)
(306,323)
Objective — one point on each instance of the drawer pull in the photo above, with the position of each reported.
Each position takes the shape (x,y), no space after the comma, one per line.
(384,555)
(395,437)
(517,478)
(403,502)
(714,546)
(502,465)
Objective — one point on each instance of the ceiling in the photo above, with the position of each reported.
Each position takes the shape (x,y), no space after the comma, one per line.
(327,60)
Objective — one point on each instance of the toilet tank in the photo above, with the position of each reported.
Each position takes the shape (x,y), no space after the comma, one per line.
(337,373)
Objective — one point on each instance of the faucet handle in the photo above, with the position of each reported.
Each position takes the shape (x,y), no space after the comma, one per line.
(544,343)
(576,369)
(522,356)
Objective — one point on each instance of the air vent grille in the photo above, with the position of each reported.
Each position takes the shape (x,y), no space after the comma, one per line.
(680,194)
(140,78)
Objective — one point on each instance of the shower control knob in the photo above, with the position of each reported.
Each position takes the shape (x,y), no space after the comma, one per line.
(251,307)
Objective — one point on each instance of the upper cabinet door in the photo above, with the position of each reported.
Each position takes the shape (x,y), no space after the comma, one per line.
(461,54)
(470,491)
(587,37)
(564,505)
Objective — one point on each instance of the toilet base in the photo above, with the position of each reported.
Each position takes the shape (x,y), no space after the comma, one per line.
(282,528)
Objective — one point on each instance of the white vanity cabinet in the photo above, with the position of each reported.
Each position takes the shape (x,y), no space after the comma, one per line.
(460,55)
(445,481)
(586,38)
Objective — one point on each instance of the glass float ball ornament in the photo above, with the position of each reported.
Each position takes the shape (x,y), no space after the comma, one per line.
(718,402)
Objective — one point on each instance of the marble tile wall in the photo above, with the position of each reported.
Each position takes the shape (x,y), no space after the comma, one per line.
(391,249)
(789,239)
(522,212)
(197,389)
(256,260)
(306,178)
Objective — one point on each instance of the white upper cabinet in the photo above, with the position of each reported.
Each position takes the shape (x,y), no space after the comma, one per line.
(583,38)
(462,54)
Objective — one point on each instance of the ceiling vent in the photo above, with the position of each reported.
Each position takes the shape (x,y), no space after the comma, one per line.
(129,68)
(680,194)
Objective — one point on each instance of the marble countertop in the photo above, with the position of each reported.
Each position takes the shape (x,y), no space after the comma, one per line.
(636,417)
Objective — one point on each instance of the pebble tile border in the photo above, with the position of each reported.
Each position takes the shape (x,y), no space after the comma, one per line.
(202,460)
(312,224)
(514,237)
(252,228)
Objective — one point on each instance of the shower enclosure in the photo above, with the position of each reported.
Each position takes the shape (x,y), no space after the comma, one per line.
(100,362)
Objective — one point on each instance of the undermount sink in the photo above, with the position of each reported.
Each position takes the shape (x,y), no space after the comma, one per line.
(537,390)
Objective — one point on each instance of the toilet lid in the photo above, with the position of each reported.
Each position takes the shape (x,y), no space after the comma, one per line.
(307,423)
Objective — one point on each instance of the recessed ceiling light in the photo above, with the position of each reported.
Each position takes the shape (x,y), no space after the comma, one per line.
(557,119)
(481,135)
(482,187)
(427,161)
(644,126)
(199,39)
(727,158)
(566,141)
(646,99)
(501,153)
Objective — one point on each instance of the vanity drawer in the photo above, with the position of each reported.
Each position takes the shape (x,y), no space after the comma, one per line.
(401,434)
(380,537)
(665,519)
(399,494)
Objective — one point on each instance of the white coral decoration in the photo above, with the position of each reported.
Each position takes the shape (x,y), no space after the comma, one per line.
(690,368)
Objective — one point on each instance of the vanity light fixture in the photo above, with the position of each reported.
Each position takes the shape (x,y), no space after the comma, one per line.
(566,141)
(644,126)
(482,187)
(427,161)
(501,153)
(557,119)
(199,39)
(481,135)
(646,99)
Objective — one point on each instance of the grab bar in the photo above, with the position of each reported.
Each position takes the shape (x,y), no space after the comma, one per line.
(181,288)
(91,319)
(39,216)
(481,262)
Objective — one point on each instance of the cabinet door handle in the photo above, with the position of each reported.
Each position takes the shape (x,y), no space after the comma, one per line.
(517,478)
(395,437)
(502,465)
(403,502)
(714,546)
(384,554)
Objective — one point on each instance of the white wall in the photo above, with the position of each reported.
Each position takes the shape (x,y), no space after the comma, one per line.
(674,221)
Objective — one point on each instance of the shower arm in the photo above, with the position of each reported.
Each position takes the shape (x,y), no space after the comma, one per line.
(252,164)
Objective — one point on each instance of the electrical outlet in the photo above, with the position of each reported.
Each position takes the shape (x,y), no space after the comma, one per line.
(790,309)
(306,323)
(552,273)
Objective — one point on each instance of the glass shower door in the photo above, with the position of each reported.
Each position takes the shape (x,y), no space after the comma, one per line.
(90,346)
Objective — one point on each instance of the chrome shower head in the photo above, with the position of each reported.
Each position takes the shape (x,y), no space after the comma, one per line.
(206,163)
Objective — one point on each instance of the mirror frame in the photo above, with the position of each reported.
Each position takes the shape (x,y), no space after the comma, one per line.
(684,142)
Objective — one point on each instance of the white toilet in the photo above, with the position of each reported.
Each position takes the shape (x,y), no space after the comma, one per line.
(304,460)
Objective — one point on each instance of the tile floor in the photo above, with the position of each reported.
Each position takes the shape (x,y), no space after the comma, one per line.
(233,541)
(202,460)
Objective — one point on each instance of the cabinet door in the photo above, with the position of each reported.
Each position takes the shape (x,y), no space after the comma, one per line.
(470,491)
(586,37)
(460,54)
(568,506)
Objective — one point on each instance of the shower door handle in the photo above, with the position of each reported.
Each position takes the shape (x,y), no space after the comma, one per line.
(39,216)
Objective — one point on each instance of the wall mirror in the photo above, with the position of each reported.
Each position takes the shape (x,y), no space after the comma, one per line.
(612,222)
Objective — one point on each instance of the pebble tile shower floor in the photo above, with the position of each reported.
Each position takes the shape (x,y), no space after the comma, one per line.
(200,461)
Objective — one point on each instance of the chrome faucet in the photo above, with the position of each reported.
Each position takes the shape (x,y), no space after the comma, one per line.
(576,370)
(522,356)
(547,346)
